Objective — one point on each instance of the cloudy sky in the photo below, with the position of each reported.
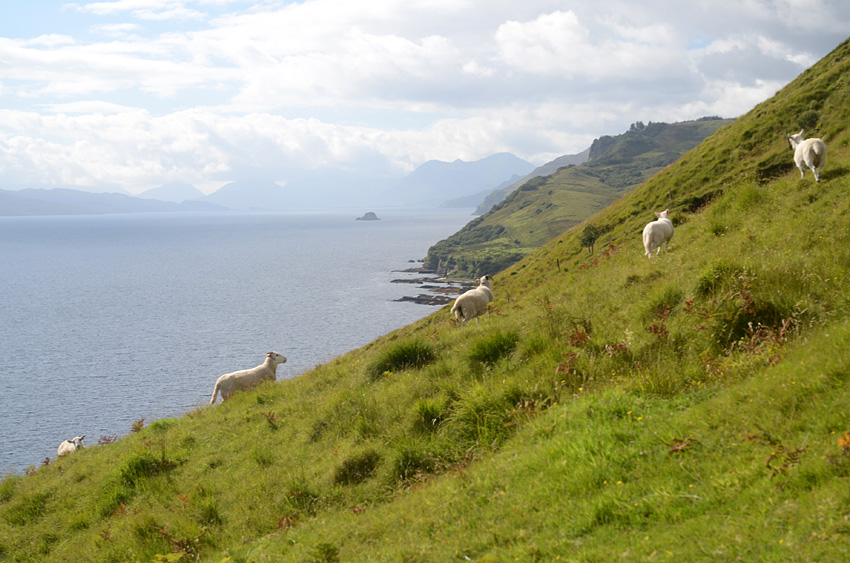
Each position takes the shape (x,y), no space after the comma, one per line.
(133,94)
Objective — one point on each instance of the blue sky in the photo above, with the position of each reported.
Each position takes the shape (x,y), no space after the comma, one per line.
(133,94)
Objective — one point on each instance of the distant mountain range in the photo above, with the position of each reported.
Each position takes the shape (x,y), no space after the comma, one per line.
(435,182)
(429,186)
(174,191)
(62,201)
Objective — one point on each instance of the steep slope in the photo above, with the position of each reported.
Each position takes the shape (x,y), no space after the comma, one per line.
(689,408)
(547,169)
(543,207)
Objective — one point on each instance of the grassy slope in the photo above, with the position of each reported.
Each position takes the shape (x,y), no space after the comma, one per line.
(687,408)
(545,207)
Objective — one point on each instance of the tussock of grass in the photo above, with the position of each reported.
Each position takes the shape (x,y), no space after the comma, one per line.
(408,354)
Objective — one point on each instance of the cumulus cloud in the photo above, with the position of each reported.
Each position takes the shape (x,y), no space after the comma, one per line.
(151,91)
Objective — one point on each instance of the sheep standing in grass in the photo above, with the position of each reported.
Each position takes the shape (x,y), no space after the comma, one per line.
(808,153)
(70,446)
(658,232)
(230,383)
(473,303)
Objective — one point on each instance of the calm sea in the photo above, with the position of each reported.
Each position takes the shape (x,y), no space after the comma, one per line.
(108,319)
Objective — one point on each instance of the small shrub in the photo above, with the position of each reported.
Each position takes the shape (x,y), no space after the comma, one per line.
(138,425)
(358,468)
(808,119)
(410,354)
(106,440)
(493,347)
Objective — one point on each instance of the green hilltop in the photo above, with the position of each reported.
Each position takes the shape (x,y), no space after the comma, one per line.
(542,208)
(692,407)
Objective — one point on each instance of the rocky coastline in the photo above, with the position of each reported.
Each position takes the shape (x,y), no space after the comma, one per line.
(440,289)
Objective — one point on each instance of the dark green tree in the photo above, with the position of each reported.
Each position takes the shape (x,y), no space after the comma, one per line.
(589,236)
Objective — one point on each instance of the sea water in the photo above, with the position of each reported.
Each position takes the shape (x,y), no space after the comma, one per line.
(105,320)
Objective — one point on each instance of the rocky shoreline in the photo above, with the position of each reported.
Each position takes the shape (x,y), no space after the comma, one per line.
(441,290)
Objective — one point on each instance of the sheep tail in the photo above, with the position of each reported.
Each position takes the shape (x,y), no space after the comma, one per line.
(457,311)
(215,393)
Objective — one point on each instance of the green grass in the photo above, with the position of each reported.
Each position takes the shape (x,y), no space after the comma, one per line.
(688,408)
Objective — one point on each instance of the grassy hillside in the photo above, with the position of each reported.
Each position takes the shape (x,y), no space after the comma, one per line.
(547,169)
(689,408)
(544,207)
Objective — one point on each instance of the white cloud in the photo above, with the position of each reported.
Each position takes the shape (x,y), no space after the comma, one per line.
(150,91)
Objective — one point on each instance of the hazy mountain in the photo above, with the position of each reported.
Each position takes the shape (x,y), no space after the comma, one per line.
(174,191)
(253,195)
(62,201)
(476,199)
(436,182)
(502,192)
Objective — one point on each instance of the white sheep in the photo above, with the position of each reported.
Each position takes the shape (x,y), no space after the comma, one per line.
(70,446)
(808,153)
(230,383)
(658,232)
(473,303)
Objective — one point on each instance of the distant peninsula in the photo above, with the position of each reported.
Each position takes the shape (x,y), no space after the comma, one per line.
(369,216)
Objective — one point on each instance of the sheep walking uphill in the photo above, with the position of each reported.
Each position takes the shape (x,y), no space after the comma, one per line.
(657,233)
(230,383)
(70,446)
(473,303)
(808,153)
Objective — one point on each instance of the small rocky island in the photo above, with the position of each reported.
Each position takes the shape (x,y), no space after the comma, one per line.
(369,216)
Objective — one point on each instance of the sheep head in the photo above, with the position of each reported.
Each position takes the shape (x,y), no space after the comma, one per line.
(276,358)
